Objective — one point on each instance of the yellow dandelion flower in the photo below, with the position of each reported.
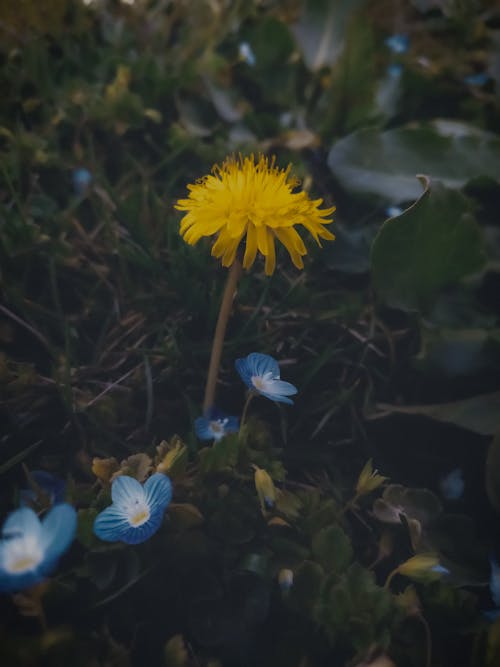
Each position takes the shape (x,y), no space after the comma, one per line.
(252,200)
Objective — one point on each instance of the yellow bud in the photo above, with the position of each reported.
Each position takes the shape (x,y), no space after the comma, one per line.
(422,567)
(174,461)
(120,84)
(285,579)
(154,115)
(265,488)
(368,480)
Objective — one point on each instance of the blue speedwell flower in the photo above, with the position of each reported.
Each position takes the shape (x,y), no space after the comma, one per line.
(398,43)
(137,510)
(478,79)
(395,70)
(261,374)
(30,548)
(82,178)
(215,425)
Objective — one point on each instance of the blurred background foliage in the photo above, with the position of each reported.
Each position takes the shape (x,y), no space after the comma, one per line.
(391,333)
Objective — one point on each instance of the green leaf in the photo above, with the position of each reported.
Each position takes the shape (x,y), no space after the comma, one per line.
(85,530)
(272,43)
(333,549)
(348,102)
(356,608)
(480,414)
(306,586)
(321,29)
(221,456)
(458,351)
(386,163)
(321,516)
(351,251)
(433,244)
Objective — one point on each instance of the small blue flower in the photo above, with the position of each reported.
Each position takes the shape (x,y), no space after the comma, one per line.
(479,79)
(30,548)
(393,211)
(82,178)
(452,485)
(215,425)
(261,373)
(53,487)
(137,510)
(395,70)
(246,53)
(398,43)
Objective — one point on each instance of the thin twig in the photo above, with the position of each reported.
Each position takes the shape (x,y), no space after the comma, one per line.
(27,326)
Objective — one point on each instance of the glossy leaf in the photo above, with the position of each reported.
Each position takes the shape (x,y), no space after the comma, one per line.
(480,414)
(433,244)
(386,164)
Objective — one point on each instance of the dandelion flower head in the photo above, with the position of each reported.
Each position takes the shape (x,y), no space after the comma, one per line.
(251,200)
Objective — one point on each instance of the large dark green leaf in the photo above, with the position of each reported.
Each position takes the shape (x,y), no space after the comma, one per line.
(459,351)
(386,163)
(433,244)
(321,28)
(480,414)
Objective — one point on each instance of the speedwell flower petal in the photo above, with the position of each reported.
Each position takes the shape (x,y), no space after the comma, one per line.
(126,490)
(23,521)
(58,530)
(158,491)
(261,373)
(215,425)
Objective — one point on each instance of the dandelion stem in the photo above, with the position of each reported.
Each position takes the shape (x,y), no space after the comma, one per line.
(219,335)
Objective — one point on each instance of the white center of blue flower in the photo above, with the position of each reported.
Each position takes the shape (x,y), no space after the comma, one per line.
(264,382)
(22,554)
(138,513)
(217,426)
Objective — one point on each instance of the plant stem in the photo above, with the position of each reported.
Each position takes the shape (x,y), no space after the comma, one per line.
(390,577)
(250,395)
(350,504)
(428,641)
(220,332)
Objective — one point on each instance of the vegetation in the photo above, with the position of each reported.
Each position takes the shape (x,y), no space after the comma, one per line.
(358,526)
